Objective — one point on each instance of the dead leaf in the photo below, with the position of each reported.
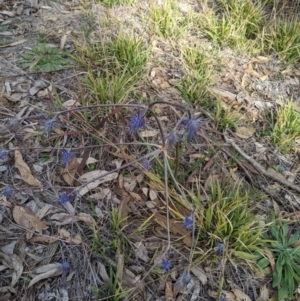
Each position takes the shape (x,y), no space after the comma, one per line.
(68,173)
(240,296)
(95,174)
(42,212)
(60,219)
(76,239)
(169,295)
(199,273)
(25,170)
(103,273)
(25,218)
(9,249)
(14,43)
(264,294)
(275,173)
(196,291)
(141,252)
(147,134)
(135,196)
(84,217)
(44,239)
(18,268)
(175,227)
(71,103)
(245,132)
(4,202)
(54,270)
(226,96)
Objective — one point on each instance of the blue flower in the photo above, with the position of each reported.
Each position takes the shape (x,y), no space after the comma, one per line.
(192,125)
(64,198)
(171,139)
(8,191)
(222,298)
(65,265)
(188,221)
(166,265)
(50,124)
(67,156)
(136,122)
(220,248)
(147,164)
(4,154)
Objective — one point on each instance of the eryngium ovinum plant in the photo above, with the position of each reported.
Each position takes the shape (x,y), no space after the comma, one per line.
(137,121)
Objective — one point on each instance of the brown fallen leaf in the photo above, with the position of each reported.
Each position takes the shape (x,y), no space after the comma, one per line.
(264,294)
(240,296)
(84,217)
(199,273)
(53,270)
(25,218)
(24,170)
(147,133)
(68,173)
(169,294)
(76,239)
(14,43)
(95,174)
(175,227)
(18,268)
(44,239)
(245,132)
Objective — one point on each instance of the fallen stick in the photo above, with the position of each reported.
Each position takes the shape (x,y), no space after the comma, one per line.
(260,168)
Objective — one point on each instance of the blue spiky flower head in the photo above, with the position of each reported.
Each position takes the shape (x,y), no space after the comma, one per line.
(220,248)
(65,265)
(4,154)
(67,156)
(166,265)
(64,198)
(188,221)
(136,122)
(7,191)
(146,164)
(192,124)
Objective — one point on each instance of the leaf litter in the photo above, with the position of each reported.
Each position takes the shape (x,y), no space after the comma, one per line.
(72,226)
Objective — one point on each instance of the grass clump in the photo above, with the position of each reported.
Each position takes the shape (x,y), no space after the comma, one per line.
(228,217)
(224,118)
(238,25)
(166,20)
(112,3)
(193,86)
(114,67)
(283,36)
(285,126)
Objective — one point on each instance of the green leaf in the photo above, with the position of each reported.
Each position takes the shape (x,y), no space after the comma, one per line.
(263,263)
(282,293)
(293,238)
(278,271)
(275,232)
(27,55)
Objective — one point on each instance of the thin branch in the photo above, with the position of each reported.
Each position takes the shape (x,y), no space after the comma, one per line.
(257,166)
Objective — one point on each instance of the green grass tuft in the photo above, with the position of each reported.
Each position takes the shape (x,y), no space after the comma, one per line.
(166,20)
(283,36)
(285,126)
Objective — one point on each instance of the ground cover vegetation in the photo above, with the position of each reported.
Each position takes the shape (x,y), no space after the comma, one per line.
(150,150)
